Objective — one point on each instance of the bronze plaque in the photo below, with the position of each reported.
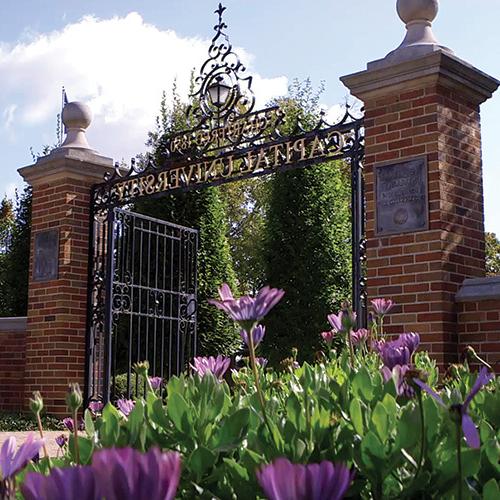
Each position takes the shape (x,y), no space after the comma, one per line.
(46,255)
(401,197)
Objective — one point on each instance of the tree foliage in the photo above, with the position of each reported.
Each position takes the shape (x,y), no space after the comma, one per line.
(14,263)
(492,254)
(307,241)
(204,210)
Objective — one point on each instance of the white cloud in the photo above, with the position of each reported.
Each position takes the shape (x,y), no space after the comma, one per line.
(119,66)
(8,115)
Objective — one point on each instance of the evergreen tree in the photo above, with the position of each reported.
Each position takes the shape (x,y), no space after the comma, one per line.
(204,210)
(14,267)
(307,249)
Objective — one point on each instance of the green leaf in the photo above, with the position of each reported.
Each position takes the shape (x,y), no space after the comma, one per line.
(201,460)
(233,429)
(85,447)
(89,424)
(380,420)
(491,491)
(362,385)
(159,414)
(136,421)
(178,411)
(470,462)
(356,415)
(295,411)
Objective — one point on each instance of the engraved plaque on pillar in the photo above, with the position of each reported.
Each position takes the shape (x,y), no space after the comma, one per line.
(401,197)
(46,255)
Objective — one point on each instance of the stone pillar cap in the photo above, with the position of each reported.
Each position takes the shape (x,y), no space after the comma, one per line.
(419,41)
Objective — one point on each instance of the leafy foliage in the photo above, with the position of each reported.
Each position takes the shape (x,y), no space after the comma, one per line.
(328,411)
(492,254)
(14,264)
(18,422)
(307,241)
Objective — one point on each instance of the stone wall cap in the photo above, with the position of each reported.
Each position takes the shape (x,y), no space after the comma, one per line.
(81,164)
(438,66)
(479,289)
(13,324)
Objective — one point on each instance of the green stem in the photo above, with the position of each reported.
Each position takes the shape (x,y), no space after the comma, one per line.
(422,436)
(40,430)
(75,435)
(351,348)
(459,459)
(257,382)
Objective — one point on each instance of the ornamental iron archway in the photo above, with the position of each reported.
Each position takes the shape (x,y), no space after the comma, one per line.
(227,141)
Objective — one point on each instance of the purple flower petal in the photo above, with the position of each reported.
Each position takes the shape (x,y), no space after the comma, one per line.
(482,379)
(335,321)
(12,461)
(125,406)
(429,391)
(73,483)
(283,480)
(217,366)
(257,335)
(470,432)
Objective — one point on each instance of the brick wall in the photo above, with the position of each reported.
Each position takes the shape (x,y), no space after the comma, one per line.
(55,345)
(423,271)
(12,360)
(478,304)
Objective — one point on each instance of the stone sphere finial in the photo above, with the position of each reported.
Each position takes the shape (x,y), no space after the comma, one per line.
(419,39)
(417,10)
(76,117)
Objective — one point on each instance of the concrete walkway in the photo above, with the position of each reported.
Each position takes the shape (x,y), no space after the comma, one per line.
(49,436)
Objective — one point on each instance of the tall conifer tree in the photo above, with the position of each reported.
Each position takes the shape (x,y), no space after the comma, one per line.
(307,250)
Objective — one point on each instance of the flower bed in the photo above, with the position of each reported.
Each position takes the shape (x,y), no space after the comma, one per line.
(371,419)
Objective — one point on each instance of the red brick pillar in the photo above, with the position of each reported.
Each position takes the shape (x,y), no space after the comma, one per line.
(423,241)
(57,297)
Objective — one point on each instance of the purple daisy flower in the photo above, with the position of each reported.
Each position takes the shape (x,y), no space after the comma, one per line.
(127,473)
(359,336)
(12,461)
(71,483)
(257,335)
(469,429)
(409,340)
(398,374)
(393,355)
(329,336)
(217,366)
(96,407)
(125,406)
(283,480)
(61,440)
(382,306)
(262,362)
(69,424)
(155,382)
(247,310)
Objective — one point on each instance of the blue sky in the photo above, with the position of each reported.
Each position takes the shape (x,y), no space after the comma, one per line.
(121,58)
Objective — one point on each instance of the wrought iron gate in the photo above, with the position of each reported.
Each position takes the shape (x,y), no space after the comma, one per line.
(142,301)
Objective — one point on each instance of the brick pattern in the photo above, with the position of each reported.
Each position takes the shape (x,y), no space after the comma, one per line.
(422,271)
(12,360)
(479,327)
(55,343)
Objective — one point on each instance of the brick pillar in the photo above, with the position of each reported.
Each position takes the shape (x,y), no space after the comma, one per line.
(426,107)
(57,307)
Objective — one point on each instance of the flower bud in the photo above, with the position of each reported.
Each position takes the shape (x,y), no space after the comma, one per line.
(141,368)
(36,403)
(295,352)
(74,398)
